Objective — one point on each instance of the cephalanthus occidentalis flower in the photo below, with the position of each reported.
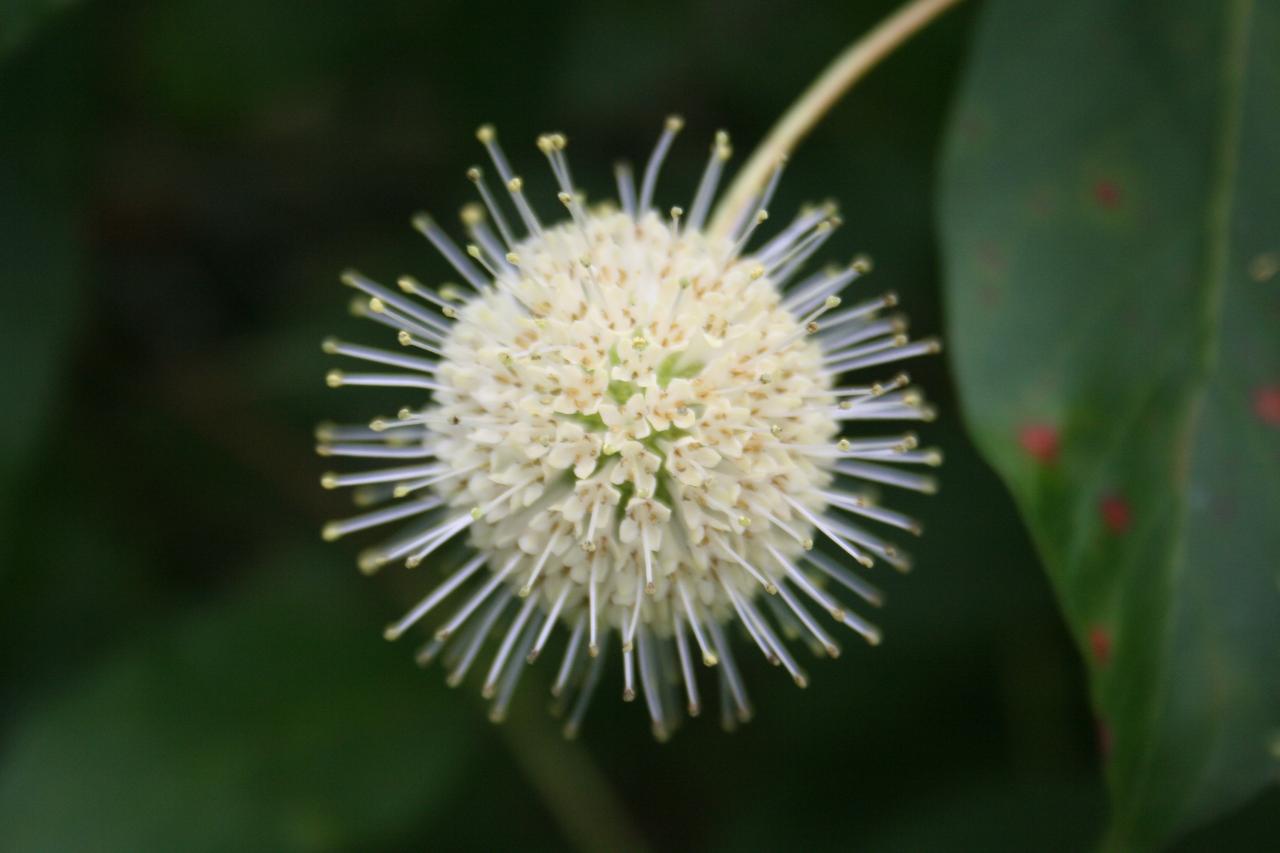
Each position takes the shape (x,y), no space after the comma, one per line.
(637,423)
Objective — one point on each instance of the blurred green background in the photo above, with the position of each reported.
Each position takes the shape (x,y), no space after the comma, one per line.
(186,667)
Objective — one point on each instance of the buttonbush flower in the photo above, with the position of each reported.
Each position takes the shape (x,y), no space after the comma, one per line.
(643,430)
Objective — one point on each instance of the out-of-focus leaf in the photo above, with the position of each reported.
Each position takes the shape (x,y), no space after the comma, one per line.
(1044,815)
(20,18)
(275,51)
(41,110)
(1254,827)
(1111,223)
(274,721)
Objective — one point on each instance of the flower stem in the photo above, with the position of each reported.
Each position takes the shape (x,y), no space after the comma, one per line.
(849,67)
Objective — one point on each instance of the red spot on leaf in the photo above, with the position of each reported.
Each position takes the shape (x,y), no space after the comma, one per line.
(1040,441)
(1100,644)
(1041,202)
(1104,739)
(1107,194)
(1116,513)
(1224,508)
(972,128)
(1266,404)
(992,257)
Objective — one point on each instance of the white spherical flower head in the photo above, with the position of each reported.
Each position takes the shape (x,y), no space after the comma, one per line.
(635,422)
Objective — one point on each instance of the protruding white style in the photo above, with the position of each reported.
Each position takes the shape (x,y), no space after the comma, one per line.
(626,426)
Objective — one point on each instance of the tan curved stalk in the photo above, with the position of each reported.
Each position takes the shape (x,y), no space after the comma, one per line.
(849,67)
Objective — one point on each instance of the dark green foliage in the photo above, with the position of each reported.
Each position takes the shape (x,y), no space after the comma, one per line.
(184,667)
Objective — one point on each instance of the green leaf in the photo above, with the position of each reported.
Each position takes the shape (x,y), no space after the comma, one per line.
(1111,225)
(43,105)
(19,19)
(278,720)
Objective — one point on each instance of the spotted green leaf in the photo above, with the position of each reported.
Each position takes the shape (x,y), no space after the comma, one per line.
(1111,225)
